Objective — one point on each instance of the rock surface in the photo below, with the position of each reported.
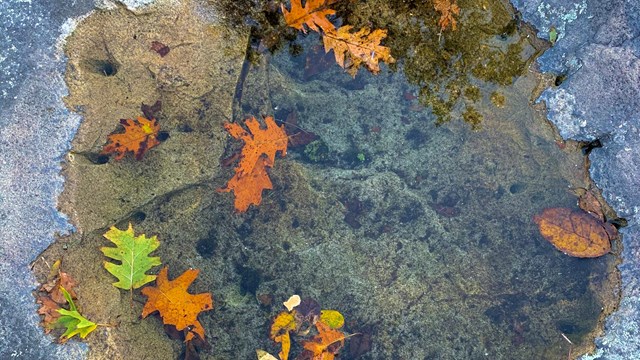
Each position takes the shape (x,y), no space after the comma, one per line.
(597,50)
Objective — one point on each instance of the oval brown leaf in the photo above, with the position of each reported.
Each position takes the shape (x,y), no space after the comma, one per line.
(575,233)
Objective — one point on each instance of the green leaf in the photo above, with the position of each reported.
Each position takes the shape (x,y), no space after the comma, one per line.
(333,318)
(133,253)
(71,319)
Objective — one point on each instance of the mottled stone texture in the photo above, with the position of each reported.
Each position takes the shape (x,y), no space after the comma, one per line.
(598,51)
(35,131)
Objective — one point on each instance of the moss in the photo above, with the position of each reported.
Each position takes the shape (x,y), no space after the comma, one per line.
(498,99)
(316,151)
(487,45)
(473,117)
(472,93)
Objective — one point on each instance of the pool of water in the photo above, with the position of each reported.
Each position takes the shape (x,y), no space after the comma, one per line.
(410,212)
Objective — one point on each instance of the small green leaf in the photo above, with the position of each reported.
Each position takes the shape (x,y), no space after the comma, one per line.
(332,318)
(71,319)
(133,253)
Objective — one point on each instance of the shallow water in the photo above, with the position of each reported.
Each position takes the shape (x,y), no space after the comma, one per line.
(412,222)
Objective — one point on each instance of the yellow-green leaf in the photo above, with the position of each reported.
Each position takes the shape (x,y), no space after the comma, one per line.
(282,324)
(333,318)
(75,323)
(133,254)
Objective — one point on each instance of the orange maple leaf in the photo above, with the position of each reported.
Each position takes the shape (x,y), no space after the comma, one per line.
(353,49)
(258,153)
(139,136)
(326,344)
(446,8)
(313,14)
(174,303)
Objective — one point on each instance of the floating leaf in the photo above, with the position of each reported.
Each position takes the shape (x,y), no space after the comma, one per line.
(139,136)
(313,14)
(575,233)
(71,319)
(354,49)
(258,153)
(133,254)
(333,318)
(447,10)
(175,304)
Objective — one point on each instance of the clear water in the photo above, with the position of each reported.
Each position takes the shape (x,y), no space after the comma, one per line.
(409,220)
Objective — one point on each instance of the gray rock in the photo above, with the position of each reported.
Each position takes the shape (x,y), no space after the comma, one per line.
(597,49)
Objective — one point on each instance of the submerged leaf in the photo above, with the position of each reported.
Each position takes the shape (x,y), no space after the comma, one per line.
(333,318)
(258,154)
(280,328)
(133,253)
(575,233)
(175,304)
(326,344)
(263,355)
(139,136)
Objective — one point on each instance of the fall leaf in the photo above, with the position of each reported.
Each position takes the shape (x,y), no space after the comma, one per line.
(160,48)
(588,201)
(280,328)
(139,136)
(326,344)
(263,355)
(52,287)
(258,153)
(293,301)
(133,254)
(313,14)
(50,296)
(362,47)
(333,318)
(446,8)
(575,233)
(175,304)
(71,319)
(49,309)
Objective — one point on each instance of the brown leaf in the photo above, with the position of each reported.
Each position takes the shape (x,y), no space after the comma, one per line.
(589,202)
(49,309)
(160,48)
(575,233)
(50,296)
(175,304)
